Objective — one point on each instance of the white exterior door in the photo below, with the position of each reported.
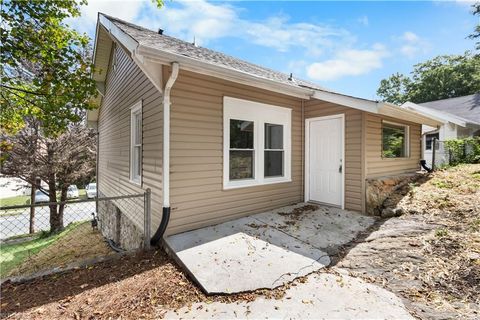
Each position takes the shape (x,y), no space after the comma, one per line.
(324,155)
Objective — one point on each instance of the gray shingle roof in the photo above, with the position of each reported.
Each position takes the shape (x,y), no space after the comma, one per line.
(467,107)
(153,39)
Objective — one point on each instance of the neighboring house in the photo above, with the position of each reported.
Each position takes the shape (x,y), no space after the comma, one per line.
(216,138)
(460,117)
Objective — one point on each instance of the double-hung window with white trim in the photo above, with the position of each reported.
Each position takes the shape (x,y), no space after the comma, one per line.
(257,143)
(136,143)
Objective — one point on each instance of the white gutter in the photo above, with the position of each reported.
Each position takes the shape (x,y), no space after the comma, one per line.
(444,115)
(414,116)
(166,134)
(348,101)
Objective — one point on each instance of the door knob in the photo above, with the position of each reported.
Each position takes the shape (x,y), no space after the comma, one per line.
(340,169)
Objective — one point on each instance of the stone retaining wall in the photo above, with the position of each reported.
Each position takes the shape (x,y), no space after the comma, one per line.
(118,227)
(378,190)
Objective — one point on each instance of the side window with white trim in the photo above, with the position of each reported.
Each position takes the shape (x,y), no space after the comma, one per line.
(257,143)
(395,140)
(136,143)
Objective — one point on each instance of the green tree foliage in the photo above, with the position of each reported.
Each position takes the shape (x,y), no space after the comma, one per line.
(466,150)
(476,33)
(46,65)
(394,89)
(59,161)
(442,77)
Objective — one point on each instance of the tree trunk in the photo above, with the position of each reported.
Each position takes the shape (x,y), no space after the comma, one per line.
(61,207)
(56,221)
(32,209)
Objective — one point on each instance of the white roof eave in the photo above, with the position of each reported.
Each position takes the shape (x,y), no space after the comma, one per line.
(414,116)
(139,52)
(444,117)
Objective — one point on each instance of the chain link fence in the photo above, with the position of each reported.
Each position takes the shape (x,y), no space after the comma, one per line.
(453,152)
(41,237)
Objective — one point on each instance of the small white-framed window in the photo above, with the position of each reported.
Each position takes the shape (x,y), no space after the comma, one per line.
(395,140)
(429,140)
(257,143)
(136,143)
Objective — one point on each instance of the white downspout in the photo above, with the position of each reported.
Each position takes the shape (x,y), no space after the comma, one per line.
(166,135)
(166,155)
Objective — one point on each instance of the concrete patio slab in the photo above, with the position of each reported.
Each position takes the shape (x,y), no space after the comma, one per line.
(326,228)
(264,250)
(323,296)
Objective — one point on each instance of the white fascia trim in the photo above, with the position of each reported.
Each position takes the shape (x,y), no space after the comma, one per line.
(128,42)
(97,34)
(347,101)
(440,116)
(152,70)
(401,113)
(209,69)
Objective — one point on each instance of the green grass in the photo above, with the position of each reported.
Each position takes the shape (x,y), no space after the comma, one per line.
(14,201)
(12,255)
(21,200)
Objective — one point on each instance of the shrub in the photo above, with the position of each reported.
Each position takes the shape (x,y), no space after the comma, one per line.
(466,150)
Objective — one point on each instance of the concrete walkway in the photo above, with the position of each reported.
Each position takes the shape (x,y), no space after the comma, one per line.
(323,296)
(265,250)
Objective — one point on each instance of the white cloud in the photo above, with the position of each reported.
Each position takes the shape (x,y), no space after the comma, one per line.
(206,21)
(199,19)
(412,44)
(278,33)
(410,37)
(209,21)
(125,9)
(466,2)
(363,20)
(350,62)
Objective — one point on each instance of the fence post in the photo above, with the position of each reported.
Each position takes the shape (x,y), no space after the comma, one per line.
(434,150)
(148,217)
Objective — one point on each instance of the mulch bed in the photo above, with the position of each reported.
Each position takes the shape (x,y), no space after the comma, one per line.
(140,286)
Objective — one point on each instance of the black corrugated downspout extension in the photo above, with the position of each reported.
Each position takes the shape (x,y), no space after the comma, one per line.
(423,163)
(162,228)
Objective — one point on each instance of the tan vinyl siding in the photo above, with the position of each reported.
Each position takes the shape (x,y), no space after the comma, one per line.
(378,166)
(196,181)
(125,86)
(353,147)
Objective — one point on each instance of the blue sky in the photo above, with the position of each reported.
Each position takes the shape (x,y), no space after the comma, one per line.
(345,46)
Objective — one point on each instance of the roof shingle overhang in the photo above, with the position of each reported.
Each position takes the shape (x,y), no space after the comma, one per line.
(150,58)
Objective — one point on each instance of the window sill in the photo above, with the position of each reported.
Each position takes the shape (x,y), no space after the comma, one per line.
(398,158)
(135,182)
(254,183)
